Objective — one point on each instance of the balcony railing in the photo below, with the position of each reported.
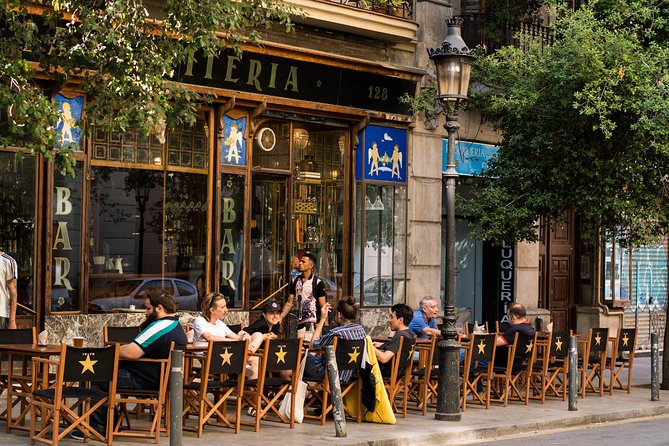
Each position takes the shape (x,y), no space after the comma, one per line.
(481,29)
(403,10)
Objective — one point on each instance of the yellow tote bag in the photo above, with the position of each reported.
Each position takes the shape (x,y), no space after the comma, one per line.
(383,412)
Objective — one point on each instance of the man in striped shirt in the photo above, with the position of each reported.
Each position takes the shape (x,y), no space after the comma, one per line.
(160,329)
(8,295)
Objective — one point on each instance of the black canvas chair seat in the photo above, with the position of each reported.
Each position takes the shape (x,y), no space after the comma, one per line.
(72,392)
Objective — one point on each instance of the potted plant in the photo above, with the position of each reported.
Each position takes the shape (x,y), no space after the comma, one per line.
(394,7)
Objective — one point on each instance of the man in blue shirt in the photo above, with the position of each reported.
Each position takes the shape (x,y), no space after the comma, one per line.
(424,322)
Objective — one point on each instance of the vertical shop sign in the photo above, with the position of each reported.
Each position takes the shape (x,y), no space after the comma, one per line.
(232,237)
(505,280)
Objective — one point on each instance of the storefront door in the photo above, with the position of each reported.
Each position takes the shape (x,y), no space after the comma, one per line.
(268,269)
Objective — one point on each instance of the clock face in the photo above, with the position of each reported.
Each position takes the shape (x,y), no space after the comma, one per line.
(266,139)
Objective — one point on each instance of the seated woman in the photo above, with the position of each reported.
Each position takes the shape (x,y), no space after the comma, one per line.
(210,327)
(346,328)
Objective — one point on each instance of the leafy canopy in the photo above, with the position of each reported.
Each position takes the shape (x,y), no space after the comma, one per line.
(584,125)
(120,52)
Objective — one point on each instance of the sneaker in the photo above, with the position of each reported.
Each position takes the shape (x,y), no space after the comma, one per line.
(76,434)
(249,371)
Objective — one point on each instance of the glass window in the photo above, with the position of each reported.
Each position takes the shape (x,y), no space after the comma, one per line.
(271,146)
(66,241)
(318,200)
(18,187)
(231,252)
(616,273)
(383,250)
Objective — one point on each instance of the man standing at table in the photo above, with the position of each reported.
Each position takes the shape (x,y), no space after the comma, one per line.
(8,296)
(424,322)
(159,330)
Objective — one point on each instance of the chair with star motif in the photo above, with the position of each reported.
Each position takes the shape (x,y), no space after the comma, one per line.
(425,377)
(477,370)
(224,367)
(264,394)
(348,356)
(397,383)
(519,384)
(550,367)
(67,403)
(592,365)
(622,357)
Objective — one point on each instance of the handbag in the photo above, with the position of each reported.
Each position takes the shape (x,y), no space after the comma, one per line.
(300,395)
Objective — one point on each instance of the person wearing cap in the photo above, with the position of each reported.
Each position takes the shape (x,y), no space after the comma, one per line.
(270,322)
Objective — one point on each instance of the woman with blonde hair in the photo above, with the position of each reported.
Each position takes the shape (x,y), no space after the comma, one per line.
(210,327)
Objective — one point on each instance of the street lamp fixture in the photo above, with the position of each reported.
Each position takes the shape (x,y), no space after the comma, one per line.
(453,61)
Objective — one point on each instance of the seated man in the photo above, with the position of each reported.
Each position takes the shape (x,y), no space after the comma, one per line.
(518,323)
(424,322)
(160,329)
(400,318)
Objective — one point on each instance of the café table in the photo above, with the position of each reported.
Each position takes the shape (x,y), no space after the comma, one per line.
(19,384)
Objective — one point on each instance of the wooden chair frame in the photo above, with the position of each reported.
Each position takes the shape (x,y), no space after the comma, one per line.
(501,376)
(422,389)
(397,385)
(593,362)
(519,385)
(481,348)
(17,385)
(624,343)
(157,400)
(550,367)
(264,394)
(318,393)
(122,335)
(222,360)
(53,400)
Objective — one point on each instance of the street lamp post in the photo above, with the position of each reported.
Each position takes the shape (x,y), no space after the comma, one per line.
(453,61)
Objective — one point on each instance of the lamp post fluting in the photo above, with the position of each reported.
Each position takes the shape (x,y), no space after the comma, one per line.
(453,61)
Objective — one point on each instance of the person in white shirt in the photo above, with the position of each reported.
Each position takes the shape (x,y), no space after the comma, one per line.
(210,327)
(8,295)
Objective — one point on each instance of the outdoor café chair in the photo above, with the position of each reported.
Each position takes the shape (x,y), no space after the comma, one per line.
(425,377)
(477,370)
(397,383)
(20,391)
(593,363)
(622,357)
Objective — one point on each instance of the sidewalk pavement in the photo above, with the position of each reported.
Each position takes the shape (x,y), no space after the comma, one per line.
(477,423)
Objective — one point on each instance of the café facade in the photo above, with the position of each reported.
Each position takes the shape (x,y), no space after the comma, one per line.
(301,151)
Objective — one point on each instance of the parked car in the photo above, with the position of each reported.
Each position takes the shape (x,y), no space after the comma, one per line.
(376,291)
(125,292)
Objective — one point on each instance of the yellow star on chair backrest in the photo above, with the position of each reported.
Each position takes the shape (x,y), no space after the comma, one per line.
(481,347)
(281,355)
(354,355)
(226,357)
(529,347)
(625,339)
(558,343)
(87,365)
(598,339)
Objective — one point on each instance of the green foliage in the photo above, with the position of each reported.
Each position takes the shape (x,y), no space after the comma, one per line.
(425,100)
(120,54)
(584,125)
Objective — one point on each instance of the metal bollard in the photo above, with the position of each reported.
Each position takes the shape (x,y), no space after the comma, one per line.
(654,369)
(572,387)
(176,396)
(335,392)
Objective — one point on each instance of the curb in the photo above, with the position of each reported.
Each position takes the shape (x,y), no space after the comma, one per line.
(462,434)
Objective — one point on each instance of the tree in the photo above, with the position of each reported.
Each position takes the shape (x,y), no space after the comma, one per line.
(120,53)
(584,125)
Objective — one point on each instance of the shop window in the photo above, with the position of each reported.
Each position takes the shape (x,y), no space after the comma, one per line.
(18,193)
(318,200)
(146,224)
(380,269)
(271,146)
(231,251)
(66,241)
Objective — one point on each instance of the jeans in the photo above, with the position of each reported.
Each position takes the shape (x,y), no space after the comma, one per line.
(313,369)
(125,380)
